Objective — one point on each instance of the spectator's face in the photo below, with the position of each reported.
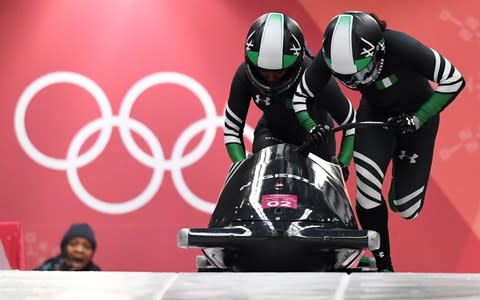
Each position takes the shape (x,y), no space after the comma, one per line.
(80,252)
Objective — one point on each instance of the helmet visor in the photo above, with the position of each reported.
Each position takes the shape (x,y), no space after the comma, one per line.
(273,82)
(363,77)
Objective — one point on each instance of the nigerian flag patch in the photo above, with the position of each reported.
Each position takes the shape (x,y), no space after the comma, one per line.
(386,82)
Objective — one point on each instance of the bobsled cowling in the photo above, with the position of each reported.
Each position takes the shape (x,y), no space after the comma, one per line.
(282,210)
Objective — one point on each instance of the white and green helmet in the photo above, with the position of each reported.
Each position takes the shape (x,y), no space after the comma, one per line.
(354,48)
(274,42)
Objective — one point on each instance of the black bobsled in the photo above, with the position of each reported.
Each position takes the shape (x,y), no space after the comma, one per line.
(282,209)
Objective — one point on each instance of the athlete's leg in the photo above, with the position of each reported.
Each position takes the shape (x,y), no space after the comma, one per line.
(372,153)
(412,163)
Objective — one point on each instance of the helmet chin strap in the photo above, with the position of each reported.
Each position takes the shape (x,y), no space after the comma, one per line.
(376,73)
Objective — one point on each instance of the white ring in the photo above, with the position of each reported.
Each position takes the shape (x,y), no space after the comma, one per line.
(177,176)
(129,205)
(163,78)
(43,82)
(107,121)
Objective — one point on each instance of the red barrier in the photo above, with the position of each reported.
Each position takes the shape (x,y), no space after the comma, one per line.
(12,251)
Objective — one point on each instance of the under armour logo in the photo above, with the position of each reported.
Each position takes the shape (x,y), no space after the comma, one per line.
(403,154)
(266,101)
(410,121)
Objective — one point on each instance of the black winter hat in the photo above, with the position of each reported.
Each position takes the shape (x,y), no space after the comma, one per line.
(79,229)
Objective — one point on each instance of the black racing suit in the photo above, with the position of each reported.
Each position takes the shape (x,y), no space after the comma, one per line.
(279,123)
(402,87)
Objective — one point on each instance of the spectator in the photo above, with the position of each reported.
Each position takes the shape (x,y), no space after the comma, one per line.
(77,249)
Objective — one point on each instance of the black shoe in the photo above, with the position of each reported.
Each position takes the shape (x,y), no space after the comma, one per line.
(384,264)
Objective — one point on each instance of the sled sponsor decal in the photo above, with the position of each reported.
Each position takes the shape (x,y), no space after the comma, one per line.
(280,175)
(279,200)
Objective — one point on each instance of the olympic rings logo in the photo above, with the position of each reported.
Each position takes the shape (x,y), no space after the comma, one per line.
(126,124)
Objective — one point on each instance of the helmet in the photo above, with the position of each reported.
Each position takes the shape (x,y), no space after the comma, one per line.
(274,43)
(354,48)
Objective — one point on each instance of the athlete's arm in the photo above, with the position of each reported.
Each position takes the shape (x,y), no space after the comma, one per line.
(437,68)
(315,77)
(341,109)
(235,115)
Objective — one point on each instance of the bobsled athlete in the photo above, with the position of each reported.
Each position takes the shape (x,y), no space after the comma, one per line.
(275,58)
(392,71)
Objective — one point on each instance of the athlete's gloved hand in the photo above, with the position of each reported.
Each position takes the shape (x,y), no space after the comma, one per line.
(319,134)
(404,123)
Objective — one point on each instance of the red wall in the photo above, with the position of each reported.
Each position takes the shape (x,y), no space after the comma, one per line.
(114,49)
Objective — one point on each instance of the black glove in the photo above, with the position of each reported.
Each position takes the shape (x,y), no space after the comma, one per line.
(319,134)
(404,123)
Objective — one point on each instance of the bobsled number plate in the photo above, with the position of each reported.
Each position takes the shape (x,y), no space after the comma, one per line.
(279,200)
